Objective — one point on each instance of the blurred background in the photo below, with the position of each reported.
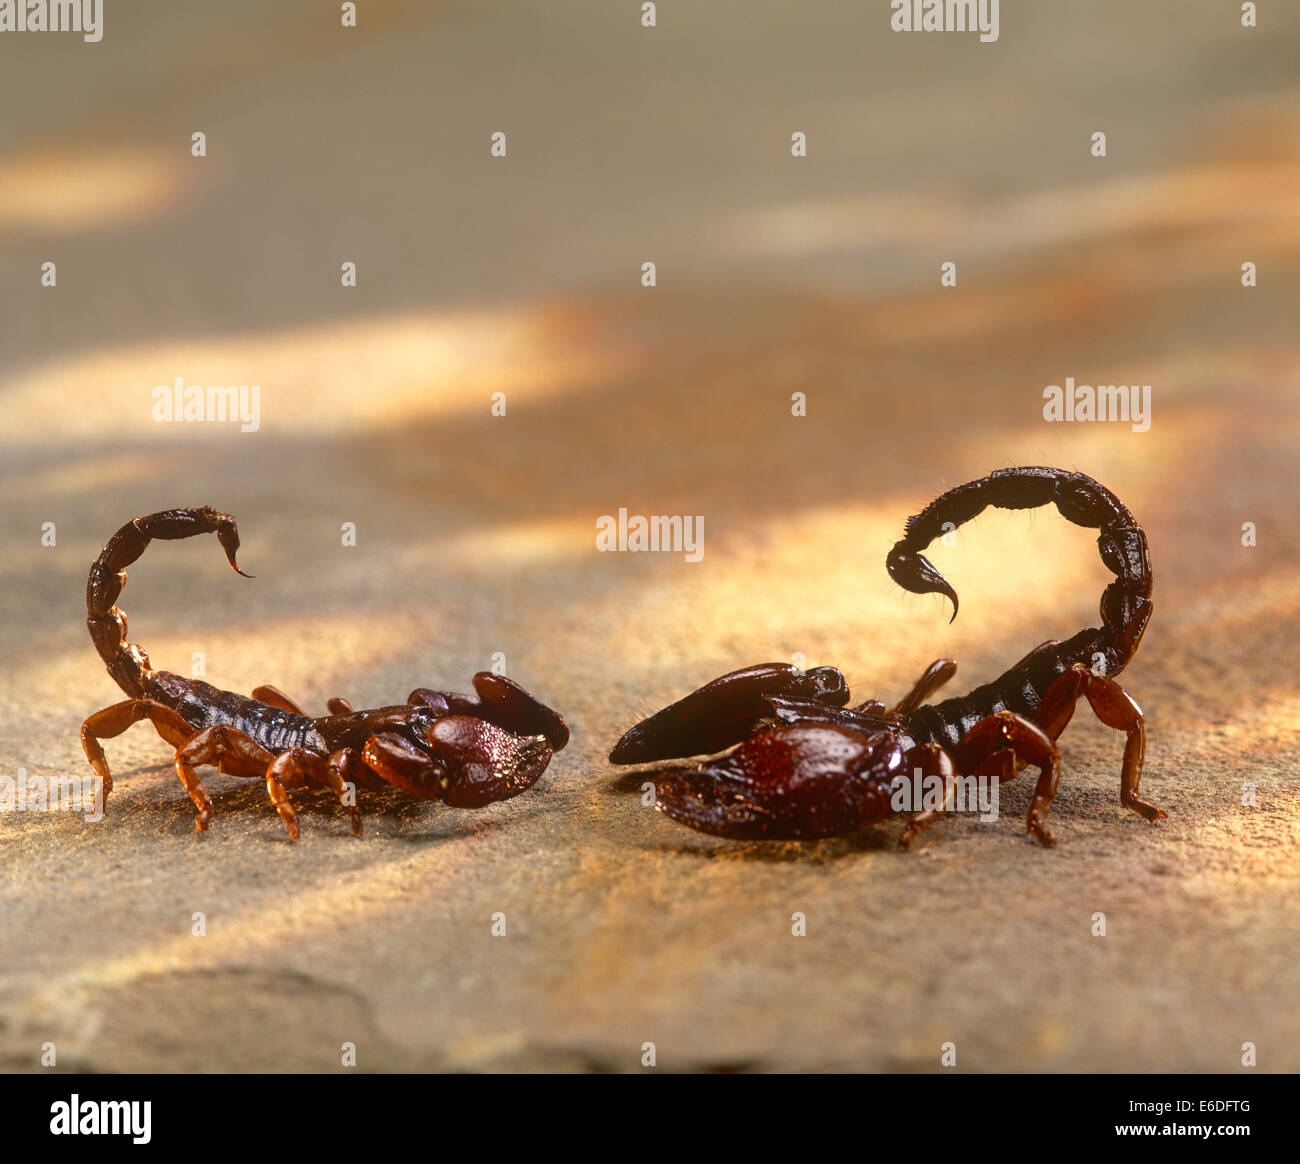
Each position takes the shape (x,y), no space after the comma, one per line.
(475,533)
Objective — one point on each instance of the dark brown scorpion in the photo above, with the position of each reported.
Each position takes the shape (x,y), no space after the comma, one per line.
(463,750)
(802,764)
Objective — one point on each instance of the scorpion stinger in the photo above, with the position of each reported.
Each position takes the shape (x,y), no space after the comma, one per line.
(463,750)
(802,766)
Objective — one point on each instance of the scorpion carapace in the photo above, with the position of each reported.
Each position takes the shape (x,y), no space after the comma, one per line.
(803,764)
(464,750)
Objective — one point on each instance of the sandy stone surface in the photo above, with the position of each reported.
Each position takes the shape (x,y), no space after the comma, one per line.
(475,534)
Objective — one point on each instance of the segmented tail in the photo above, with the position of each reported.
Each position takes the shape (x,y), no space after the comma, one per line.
(127,663)
(1125,603)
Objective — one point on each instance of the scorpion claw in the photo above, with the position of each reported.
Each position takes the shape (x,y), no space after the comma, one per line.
(483,762)
(725,711)
(517,711)
(794,782)
(471,762)
(711,803)
(499,701)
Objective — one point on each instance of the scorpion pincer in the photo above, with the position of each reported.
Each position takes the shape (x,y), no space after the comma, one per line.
(462,750)
(798,763)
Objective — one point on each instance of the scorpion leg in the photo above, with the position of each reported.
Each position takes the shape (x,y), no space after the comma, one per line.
(113,721)
(299,767)
(345,773)
(936,675)
(1006,729)
(1002,765)
(928,760)
(230,750)
(1116,709)
(276,698)
(276,774)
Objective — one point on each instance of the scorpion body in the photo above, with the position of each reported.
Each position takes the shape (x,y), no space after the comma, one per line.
(464,750)
(803,764)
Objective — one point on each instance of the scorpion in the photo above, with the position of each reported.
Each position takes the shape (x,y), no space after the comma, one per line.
(797,763)
(463,750)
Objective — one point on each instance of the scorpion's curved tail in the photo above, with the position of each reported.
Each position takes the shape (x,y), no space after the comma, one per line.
(1125,603)
(127,663)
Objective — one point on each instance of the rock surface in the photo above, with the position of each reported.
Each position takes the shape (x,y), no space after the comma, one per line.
(475,535)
